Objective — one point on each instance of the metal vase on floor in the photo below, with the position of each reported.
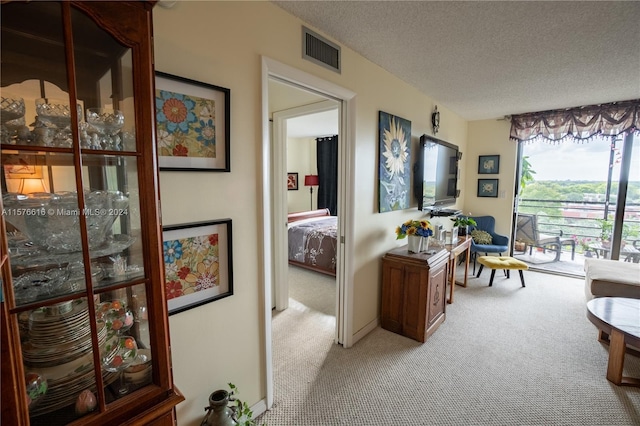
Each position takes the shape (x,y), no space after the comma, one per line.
(218,413)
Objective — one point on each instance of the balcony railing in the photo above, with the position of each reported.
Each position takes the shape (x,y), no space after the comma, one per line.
(581,220)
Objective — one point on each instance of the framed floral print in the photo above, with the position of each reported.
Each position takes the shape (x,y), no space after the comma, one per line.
(394,171)
(488,164)
(193,122)
(488,188)
(198,263)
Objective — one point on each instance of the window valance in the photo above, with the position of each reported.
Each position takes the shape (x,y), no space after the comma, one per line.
(577,123)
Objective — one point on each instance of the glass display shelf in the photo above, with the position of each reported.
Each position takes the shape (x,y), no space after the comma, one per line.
(81,278)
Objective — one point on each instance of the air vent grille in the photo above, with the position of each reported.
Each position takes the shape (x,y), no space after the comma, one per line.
(320,50)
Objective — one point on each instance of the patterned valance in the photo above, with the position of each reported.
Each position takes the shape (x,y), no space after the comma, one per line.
(577,123)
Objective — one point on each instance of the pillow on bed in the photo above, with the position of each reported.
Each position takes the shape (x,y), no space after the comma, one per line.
(481,237)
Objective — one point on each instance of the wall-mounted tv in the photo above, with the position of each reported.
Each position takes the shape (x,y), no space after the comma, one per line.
(435,179)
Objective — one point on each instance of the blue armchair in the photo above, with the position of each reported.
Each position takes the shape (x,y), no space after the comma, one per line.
(499,243)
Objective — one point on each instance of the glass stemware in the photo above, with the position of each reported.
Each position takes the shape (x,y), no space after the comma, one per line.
(115,315)
(116,359)
(107,123)
(11,117)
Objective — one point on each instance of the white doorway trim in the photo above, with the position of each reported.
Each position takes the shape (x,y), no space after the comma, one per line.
(346,173)
(279,164)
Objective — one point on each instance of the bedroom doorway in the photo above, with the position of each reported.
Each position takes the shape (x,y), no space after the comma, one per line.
(274,189)
(297,137)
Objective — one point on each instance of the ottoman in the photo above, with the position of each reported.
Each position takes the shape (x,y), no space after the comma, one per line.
(502,262)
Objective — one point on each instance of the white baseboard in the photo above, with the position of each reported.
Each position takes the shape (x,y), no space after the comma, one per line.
(365,330)
(259,407)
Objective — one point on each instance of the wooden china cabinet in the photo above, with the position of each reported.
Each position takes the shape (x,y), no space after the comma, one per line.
(84,329)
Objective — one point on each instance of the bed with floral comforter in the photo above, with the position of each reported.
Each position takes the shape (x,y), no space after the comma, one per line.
(312,239)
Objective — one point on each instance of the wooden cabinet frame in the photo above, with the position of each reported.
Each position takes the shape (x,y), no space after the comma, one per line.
(129,22)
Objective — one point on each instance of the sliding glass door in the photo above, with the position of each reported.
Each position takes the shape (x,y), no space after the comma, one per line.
(585,199)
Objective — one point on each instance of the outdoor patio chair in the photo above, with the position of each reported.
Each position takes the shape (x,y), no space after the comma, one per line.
(527,233)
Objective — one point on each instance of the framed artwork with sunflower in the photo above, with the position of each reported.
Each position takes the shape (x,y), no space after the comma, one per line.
(198,263)
(394,171)
(193,122)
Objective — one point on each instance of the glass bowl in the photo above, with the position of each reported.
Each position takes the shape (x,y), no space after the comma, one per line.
(105,120)
(11,108)
(52,220)
(55,112)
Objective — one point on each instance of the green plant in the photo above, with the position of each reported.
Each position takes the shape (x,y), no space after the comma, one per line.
(463,221)
(243,414)
(526,174)
(606,229)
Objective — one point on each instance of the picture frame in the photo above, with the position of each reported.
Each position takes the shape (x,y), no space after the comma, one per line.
(488,188)
(488,164)
(198,263)
(292,181)
(193,122)
(394,162)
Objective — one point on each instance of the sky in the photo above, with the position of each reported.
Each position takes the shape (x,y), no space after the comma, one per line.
(578,160)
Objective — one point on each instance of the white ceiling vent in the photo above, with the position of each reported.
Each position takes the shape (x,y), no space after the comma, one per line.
(318,49)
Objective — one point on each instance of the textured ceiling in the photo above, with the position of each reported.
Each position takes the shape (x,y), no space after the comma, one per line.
(486,59)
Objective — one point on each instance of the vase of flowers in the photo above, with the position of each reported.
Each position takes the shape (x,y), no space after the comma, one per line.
(416,231)
(463,223)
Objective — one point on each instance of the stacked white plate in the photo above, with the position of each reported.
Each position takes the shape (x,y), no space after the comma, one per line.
(58,346)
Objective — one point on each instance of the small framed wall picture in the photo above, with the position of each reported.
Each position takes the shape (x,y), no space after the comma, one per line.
(489,165)
(198,263)
(292,181)
(193,121)
(488,188)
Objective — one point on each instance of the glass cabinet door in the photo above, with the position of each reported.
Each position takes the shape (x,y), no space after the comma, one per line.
(73,213)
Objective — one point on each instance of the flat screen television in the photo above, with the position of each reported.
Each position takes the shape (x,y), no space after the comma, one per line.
(435,180)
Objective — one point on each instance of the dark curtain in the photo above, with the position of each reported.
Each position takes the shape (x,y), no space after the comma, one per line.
(327,158)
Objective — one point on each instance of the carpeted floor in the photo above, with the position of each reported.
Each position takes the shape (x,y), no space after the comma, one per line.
(505,355)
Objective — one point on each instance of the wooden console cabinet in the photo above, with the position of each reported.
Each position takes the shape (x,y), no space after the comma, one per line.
(414,292)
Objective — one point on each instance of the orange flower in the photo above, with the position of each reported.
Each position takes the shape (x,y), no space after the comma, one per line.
(174,110)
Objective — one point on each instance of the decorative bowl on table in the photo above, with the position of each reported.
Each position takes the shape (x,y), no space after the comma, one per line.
(51,221)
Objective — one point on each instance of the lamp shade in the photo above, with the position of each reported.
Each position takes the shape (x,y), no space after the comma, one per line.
(311,180)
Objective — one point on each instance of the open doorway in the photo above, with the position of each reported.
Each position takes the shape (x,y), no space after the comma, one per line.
(274,190)
(304,125)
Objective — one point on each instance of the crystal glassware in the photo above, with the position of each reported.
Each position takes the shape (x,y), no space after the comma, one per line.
(11,117)
(54,222)
(53,113)
(115,315)
(107,123)
(115,359)
(11,108)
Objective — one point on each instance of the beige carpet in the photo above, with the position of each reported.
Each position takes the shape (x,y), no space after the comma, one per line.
(505,355)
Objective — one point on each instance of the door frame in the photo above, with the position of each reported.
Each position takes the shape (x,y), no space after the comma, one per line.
(346,177)
(279,167)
